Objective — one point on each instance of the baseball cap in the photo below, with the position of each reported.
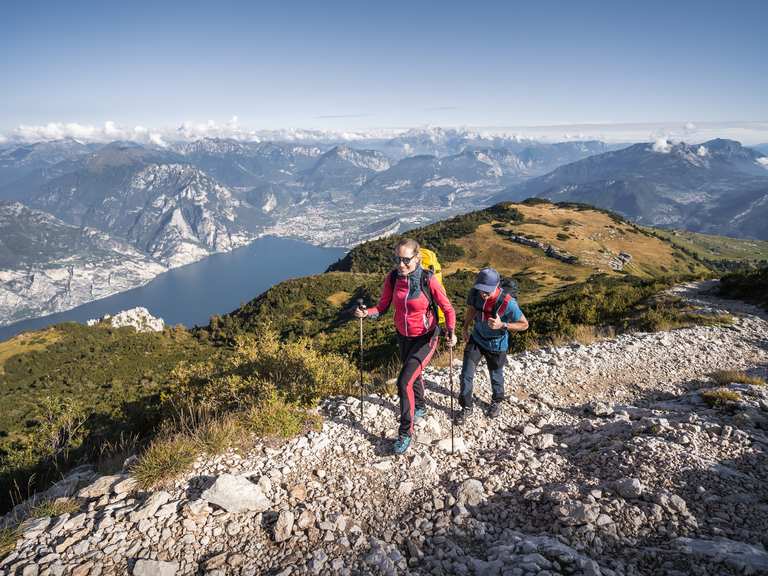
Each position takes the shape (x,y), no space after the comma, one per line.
(487,280)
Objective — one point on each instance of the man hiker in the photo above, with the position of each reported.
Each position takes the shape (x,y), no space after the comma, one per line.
(494,312)
(416,294)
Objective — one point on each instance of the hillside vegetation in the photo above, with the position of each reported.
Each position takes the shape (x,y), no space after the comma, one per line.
(79,393)
(749,285)
(559,298)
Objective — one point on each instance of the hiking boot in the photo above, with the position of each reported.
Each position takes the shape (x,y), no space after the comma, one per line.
(462,415)
(402,443)
(495,410)
(420,412)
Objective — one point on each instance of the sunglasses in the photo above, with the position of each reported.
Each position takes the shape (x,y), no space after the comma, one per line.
(404,259)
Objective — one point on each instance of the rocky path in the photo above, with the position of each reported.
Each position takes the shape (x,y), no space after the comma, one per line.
(609,462)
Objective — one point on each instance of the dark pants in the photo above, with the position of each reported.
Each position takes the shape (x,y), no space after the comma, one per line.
(415,353)
(496,361)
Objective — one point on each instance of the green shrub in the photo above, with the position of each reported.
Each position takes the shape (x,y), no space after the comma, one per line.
(668,314)
(259,365)
(750,285)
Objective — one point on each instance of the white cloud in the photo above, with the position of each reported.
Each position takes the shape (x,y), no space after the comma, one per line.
(662,145)
(157,140)
(763,161)
(664,134)
(702,151)
(108,132)
(3,139)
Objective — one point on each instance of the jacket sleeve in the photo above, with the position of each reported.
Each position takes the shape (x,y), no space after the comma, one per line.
(438,293)
(384,300)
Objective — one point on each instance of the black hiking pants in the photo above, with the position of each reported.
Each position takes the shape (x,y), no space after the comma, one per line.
(473,352)
(415,354)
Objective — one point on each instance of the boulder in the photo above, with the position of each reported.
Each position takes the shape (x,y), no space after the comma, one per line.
(155,568)
(740,555)
(236,494)
(102,486)
(470,492)
(630,488)
(283,526)
(542,441)
(575,513)
(151,506)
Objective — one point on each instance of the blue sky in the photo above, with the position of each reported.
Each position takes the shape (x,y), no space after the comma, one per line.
(351,65)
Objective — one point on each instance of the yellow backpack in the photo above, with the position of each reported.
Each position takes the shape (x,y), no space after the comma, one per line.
(430,262)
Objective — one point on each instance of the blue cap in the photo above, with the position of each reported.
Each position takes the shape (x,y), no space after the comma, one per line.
(487,280)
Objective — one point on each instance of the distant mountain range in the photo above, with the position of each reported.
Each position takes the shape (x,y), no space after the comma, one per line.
(172,205)
(47,266)
(718,187)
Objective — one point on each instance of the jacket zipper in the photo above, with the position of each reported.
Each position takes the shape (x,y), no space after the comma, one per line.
(407,292)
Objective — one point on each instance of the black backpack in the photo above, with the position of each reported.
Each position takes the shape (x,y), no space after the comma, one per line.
(508,286)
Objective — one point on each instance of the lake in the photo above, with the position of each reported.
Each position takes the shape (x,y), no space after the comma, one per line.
(190,295)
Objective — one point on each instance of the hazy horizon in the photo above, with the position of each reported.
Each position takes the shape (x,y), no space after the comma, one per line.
(619,72)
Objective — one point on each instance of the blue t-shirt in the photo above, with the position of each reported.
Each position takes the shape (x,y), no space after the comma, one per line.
(486,337)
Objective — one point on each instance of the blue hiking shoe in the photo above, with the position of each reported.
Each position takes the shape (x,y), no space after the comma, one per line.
(420,412)
(402,443)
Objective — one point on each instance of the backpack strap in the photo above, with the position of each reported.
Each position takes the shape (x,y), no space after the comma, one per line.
(391,279)
(501,301)
(426,276)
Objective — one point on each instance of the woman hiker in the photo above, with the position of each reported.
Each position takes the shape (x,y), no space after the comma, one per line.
(416,294)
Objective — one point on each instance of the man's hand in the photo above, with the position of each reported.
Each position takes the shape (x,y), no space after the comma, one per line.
(361,312)
(495,323)
(451,338)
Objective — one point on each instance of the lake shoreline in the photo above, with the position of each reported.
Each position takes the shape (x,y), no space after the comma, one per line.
(273,258)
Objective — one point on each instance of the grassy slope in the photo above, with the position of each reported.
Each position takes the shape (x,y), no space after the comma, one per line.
(106,369)
(594,236)
(716,248)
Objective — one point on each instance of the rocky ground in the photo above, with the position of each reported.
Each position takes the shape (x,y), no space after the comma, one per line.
(607,462)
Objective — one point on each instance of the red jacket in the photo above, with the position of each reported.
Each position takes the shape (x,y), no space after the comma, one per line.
(413,313)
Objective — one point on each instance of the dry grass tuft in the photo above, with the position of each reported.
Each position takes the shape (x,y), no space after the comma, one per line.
(54,508)
(165,460)
(720,398)
(725,377)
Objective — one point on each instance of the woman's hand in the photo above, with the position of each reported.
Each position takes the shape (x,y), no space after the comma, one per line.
(361,312)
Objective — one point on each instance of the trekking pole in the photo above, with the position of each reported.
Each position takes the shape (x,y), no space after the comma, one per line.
(361,305)
(450,379)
